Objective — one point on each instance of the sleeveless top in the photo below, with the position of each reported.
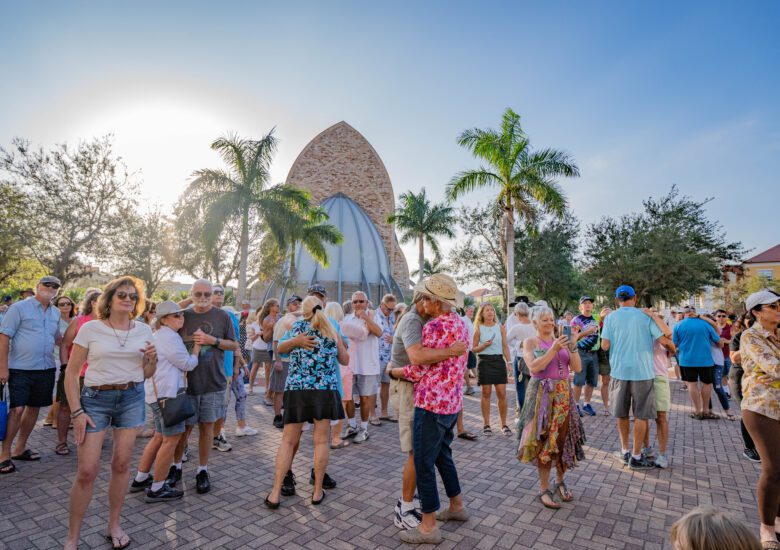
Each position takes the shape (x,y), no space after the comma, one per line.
(558,368)
(494,332)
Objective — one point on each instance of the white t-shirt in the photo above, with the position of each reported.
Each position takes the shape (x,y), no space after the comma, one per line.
(519,333)
(470,327)
(257,343)
(109,361)
(363,354)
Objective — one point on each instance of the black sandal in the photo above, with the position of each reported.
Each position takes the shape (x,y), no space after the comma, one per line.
(506,431)
(487,431)
(118,544)
(317,502)
(272,505)
(7,467)
(468,436)
(27,456)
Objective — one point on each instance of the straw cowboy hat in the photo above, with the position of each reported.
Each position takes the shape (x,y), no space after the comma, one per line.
(442,287)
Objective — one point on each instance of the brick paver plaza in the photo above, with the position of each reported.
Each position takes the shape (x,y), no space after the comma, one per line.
(614,507)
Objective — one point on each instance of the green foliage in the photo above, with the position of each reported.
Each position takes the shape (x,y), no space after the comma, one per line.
(666,252)
(75,202)
(417,219)
(432,268)
(145,250)
(13,232)
(27,273)
(545,263)
(525,179)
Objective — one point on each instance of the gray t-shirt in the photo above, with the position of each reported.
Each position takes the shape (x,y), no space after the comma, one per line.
(408,333)
(209,375)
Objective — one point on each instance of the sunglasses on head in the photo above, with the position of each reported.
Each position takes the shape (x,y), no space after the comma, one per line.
(202,294)
(122,295)
(51,285)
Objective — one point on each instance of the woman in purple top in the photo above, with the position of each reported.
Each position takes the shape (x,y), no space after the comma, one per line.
(549,428)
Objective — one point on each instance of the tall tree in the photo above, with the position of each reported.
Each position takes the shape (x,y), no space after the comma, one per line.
(431,267)
(313,232)
(146,250)
(667,252)
(419,220)
(241,190)
(477,257)
(76,199)
(13,226)
(526,180)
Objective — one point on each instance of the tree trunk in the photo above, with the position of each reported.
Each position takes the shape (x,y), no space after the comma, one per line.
(421,259)
(509,237)
(244,245)
(293,269)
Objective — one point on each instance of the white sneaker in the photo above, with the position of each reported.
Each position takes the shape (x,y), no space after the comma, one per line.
(221,444)
(361,436)
(348,432)
(662,461)
(406,520)
(246,430)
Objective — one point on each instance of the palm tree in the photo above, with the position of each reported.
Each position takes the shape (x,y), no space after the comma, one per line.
(313,233)
(417,219)
(244,189)
(525,178)
(431,268)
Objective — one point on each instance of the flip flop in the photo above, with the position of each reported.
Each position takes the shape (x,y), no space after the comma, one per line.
(388,418)
(7,467)
(118,545)
(340,445)
(467,436)
(27,456)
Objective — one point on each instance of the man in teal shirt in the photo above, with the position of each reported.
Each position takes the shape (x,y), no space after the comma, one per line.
(629,335)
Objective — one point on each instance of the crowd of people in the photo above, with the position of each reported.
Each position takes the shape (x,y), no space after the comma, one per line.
(343,369)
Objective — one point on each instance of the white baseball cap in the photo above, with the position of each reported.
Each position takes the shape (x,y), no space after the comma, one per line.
(760,298)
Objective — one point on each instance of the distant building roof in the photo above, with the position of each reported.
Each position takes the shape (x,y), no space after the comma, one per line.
(479,292)
(767,256)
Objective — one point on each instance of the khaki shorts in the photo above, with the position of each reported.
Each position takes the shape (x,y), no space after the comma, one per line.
(637,396)
(663,397)
(402,401)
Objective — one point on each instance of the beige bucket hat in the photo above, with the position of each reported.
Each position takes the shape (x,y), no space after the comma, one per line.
(441,287)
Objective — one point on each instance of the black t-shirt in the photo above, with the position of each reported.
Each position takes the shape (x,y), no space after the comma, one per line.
(209,375)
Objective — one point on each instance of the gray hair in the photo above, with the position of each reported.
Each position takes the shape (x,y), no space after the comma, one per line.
(333,309)
(538,312)
(522,309)
(361,293)
(203,282)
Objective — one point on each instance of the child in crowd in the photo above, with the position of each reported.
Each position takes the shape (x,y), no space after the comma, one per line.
(706,528)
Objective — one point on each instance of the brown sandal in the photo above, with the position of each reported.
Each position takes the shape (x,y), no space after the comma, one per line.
(62,449)
(566,495)
(554,505)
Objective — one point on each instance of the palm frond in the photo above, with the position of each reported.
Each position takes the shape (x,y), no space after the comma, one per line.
(470,180)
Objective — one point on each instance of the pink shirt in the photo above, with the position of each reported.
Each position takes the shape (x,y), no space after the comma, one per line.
(661,362)
(438,388)
(558,368)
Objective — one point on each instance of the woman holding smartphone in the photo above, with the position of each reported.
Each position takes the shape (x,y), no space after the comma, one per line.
(492,350)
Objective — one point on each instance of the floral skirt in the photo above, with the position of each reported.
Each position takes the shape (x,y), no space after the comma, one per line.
(549,424)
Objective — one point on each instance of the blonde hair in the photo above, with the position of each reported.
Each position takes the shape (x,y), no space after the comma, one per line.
(313,312)
(104,302)
(480,317)
(537,312)
(266,309)
(707,528)
(333,309)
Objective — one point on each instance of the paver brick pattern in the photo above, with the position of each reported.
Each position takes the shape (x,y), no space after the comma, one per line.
(614,508)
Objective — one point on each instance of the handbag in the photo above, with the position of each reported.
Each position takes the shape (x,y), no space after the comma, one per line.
(3,411)
(174,410)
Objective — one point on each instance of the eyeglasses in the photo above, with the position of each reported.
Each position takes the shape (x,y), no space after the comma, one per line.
(358,301)
(202,294)
(51,285)
(125,295)
(219,292)
(774,306)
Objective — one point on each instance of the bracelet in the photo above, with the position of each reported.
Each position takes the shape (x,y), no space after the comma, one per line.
(76,413)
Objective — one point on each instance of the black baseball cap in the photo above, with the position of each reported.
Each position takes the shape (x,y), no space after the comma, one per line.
(586,298)
(294,298)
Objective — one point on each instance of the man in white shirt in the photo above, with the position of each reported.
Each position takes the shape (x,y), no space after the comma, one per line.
(364,362)
(520,331)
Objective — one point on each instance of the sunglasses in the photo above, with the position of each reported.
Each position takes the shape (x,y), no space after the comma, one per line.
(774,306)
(178,314)
(51,285)
(122,295)
(219,292)
(720,316)
(202,294)
(358,301)
(66,304)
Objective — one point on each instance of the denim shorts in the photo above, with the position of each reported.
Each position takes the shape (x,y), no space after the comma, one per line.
(590,369)
(114,408)
(208,407)
(160,427)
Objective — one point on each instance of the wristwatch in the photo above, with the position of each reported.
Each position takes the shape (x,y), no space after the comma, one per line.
(217,342)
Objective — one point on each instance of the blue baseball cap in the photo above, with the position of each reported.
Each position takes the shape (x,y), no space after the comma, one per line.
(625,292)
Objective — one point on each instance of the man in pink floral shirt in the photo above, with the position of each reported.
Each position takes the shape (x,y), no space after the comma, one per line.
(438,398)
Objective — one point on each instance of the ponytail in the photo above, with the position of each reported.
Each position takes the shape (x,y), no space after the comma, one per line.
(312,312)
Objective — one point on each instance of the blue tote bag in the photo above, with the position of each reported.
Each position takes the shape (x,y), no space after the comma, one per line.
(3,411)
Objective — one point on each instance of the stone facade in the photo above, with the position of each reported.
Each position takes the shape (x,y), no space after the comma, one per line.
(340,159)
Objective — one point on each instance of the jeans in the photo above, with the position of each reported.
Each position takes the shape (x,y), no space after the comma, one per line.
(726,367)
(521,382)
(114,408)
(431,438)
(717,385)
(236,387)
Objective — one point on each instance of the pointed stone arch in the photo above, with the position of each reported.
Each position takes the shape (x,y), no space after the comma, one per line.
(341,160)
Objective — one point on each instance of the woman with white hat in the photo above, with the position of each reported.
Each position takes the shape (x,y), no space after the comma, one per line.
(760,347)
(173,360)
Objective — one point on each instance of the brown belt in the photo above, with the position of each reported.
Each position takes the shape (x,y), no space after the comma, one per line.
(109,387)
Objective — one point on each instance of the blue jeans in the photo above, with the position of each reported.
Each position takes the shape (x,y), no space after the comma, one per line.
(726,367)
(717,385)
(521,382)
(432,436)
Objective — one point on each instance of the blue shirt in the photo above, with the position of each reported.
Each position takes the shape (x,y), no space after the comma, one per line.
(33,332)
(631,335)
(694,338)
(228,355)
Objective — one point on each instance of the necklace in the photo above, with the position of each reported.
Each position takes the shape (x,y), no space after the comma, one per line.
(121,343)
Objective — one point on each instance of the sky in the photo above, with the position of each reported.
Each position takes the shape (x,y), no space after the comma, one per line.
(643,96)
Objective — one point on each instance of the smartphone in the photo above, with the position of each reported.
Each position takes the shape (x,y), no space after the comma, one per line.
(567,331)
